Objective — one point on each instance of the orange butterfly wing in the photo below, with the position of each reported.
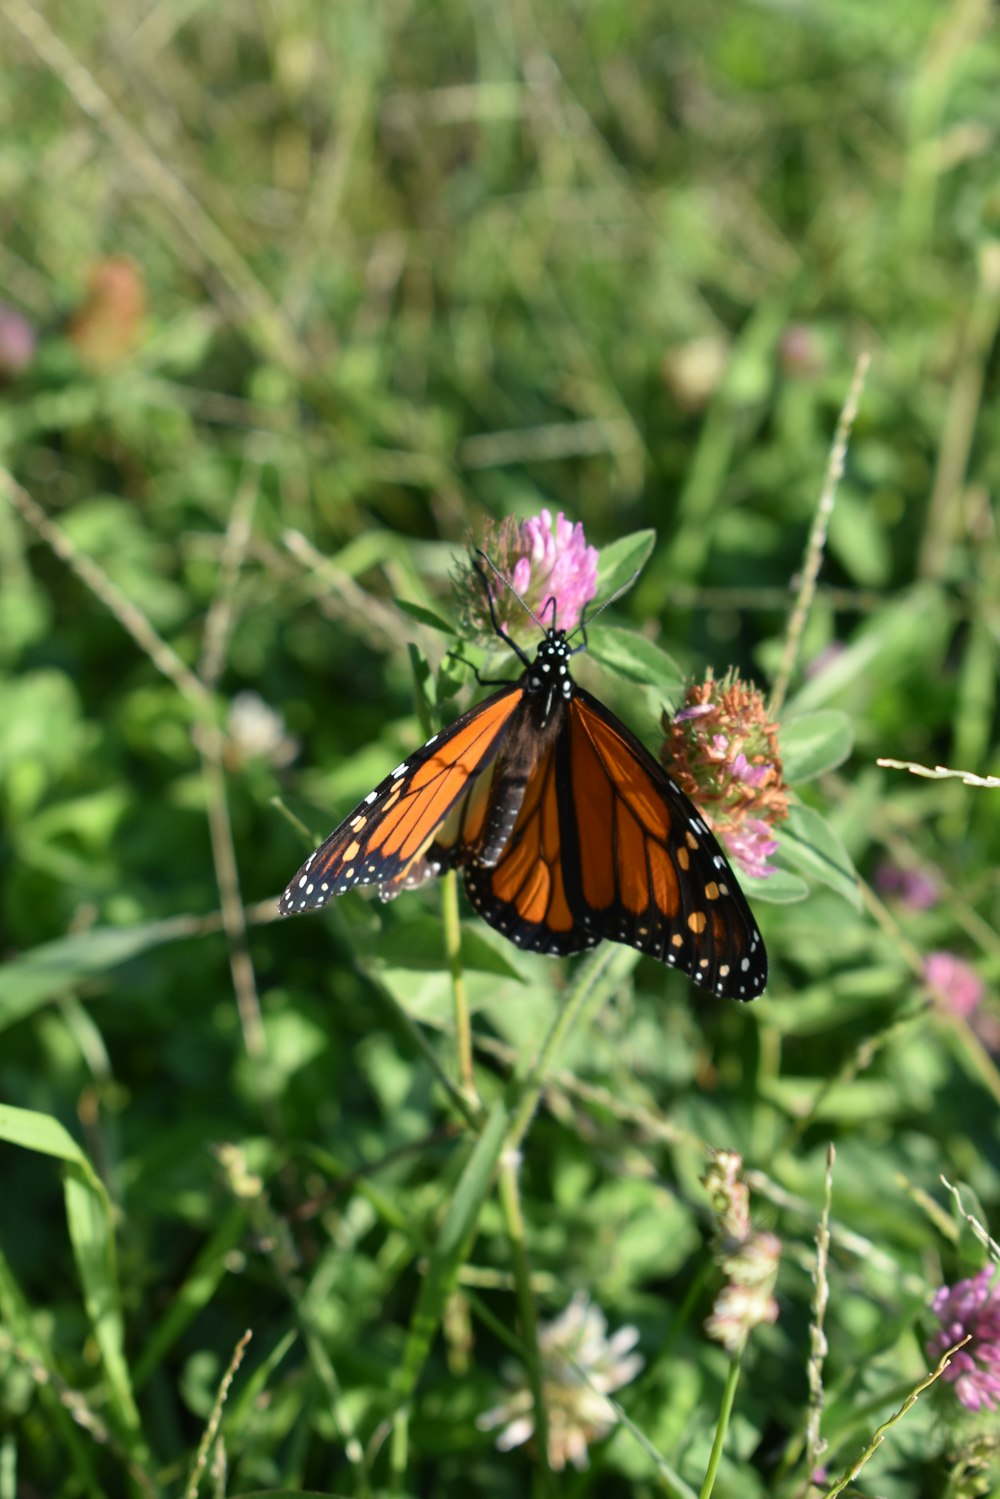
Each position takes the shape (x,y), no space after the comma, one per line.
(606,845)
(383,841)
(524,895)
(647,869)
(567,828)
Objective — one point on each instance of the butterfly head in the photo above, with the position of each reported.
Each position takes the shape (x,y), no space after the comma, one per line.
(549,672)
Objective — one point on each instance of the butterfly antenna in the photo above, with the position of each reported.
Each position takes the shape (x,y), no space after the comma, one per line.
(497,626)
(589,619)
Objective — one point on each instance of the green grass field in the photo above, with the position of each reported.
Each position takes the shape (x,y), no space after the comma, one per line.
(296,299)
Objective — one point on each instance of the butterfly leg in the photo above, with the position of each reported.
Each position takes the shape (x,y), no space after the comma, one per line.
(483,681)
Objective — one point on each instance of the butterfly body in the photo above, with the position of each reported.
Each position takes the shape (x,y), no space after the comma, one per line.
(566,829)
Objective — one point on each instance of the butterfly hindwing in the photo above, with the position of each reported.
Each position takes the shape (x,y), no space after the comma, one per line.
(382,841)
(524,892)
(646,869)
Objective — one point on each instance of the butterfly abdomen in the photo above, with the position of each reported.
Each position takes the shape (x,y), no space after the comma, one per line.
(532,731)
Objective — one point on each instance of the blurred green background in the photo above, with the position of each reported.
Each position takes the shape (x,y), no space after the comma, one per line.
(296,297)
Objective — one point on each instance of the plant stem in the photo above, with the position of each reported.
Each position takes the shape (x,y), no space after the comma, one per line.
(598,976)
(722,1426)
(399,1443)
(459,993)
(817,536)
(510,1203)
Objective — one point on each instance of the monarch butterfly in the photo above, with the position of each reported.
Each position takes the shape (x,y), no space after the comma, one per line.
(565,827)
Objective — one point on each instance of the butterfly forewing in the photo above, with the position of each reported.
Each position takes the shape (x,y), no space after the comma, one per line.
(382,841)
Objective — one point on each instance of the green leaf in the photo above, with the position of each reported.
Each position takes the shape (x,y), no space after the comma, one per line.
(24,1327)
(857,1101)
(197,1290)
(418,945)
(637,659)
(426,617)
(780,888)
(30,981)
(814,743)
(810,844)
(421,671)
(907,631)
(452,1247)
(622,561)
(88,1213)
(858,539)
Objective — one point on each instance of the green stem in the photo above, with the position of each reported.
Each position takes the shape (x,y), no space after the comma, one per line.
(459,993)
(472,1116)
(510,1203)
(598,976)
(399,1443)
(722,1426)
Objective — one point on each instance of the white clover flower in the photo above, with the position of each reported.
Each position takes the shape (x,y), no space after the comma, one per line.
(581,1366)
(255,731)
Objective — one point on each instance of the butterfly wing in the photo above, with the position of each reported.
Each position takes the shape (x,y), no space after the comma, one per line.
(383,841)
(642,866)
(523,892)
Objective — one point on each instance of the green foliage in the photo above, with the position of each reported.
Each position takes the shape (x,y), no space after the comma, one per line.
(407,270)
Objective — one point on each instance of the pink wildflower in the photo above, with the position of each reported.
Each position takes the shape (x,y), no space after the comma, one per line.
(913,888)
(555,564)
(956,981)
(722,750)
(751,845)
(541,560)
(971,1307)
(17,341)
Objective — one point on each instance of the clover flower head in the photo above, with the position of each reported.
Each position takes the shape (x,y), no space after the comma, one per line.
(107,326)
(747,1257)
(581,1366)
(971,1308)
(541,559)
(255,731)
(723,751)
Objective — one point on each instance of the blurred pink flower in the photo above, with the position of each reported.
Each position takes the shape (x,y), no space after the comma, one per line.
(913,888)
(17,341)
(747,1257)
(956,981)
(800,351)
(971,1307)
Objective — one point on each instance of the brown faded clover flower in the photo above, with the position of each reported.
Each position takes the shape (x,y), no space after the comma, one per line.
(722,750)
(748,1257)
